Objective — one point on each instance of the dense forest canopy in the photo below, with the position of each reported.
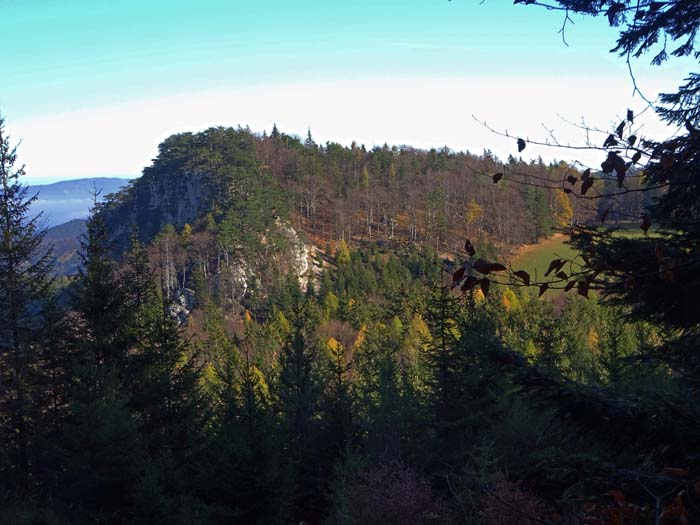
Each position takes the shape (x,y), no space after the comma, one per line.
(265,329)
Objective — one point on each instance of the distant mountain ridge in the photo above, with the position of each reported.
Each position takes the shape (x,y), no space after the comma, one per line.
(67,200)
(71,229)
(64,241)
(65,206)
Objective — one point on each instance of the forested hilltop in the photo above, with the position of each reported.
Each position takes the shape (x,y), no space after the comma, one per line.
(332,192)
(226,211)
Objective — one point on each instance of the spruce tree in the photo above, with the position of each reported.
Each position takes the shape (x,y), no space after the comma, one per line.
(298,395)
(162,376)
(25,298)
(103,450)
(462,385)
(383,406)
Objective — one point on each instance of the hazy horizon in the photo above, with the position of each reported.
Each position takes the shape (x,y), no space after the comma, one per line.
(47,181)
(65,200)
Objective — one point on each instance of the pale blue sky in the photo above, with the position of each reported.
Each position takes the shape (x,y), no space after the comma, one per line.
(77,64)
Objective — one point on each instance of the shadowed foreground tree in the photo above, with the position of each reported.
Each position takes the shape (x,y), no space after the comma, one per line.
(104,454)
(25,299)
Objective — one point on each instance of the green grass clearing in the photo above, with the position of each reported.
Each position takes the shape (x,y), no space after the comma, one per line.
(535,259)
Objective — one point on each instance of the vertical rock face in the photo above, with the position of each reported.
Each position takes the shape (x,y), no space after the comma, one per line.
(303,257)
(152,202)
(237,278)
(299,251)
(181,305)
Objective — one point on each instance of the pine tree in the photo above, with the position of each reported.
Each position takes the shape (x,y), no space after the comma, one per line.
(656,276)
(25,298)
